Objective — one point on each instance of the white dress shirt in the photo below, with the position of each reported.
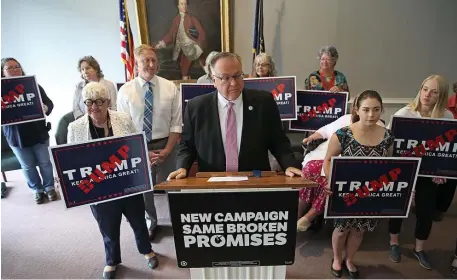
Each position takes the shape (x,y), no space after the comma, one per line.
(407,111)
(166,103)
(222,106)
(327,132)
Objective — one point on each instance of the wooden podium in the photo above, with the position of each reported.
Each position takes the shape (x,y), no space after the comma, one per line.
(269,182)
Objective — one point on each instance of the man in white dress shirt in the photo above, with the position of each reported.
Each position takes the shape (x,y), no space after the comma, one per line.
(154,104)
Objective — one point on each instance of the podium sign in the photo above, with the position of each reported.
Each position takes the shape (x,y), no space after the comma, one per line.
(233,229)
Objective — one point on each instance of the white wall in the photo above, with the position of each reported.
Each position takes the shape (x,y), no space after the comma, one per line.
(49,36)
(385,45)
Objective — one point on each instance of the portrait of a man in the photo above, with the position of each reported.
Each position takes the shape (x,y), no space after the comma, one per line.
(184,32)
(187,34)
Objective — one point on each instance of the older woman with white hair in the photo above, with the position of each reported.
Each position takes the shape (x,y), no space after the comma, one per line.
(327,78)
(263,66)
(100,122)
(206,79)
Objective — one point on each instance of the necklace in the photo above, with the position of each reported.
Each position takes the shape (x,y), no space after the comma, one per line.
(106,126)
(102,125)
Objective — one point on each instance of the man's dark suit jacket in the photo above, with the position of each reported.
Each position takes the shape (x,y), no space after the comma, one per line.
(201,138)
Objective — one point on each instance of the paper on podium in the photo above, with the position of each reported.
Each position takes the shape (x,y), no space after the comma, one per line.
(228,179)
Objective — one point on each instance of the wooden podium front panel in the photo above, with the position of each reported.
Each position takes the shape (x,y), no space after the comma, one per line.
(252,182)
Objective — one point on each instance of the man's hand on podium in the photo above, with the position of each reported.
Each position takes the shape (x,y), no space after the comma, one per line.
(292,172)
(178,174)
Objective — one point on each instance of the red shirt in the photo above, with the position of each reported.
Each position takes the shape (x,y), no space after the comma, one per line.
(451,105)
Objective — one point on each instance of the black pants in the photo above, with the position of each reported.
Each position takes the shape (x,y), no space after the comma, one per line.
(109,217)
(445,195)
(425,199)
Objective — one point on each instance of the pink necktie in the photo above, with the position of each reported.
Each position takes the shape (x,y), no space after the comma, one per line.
(231,146)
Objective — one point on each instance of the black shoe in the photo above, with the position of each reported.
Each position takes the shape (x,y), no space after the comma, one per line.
(39,198)
(153,233)
(423,259)
(109,274)
(336,273)
(153,262)
(395,253)
(352,274)
(438,217)
(52,195)
(4,189)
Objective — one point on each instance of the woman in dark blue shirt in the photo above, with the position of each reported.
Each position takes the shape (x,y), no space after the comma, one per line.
(30,142)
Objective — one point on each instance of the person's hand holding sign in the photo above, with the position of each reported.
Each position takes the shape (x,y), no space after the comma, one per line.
(163,154)
(327,189)
(153,157)
(439,180)
(335,89)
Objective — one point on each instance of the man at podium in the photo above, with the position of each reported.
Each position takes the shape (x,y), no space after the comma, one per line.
(232,128)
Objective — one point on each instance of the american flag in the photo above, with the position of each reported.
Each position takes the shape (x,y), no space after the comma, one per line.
(259,40)
(126,41)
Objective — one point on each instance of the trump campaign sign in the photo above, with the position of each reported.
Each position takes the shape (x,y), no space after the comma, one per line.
(371,187)
(283,90)
(21,100)
(233,229)
(316,109)
(102,170)
(433,140)
(189,91)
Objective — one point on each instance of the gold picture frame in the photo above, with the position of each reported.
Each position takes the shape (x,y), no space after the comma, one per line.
(143,30)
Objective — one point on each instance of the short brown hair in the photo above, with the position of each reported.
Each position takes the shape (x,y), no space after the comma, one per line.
(92,63)
(143,47)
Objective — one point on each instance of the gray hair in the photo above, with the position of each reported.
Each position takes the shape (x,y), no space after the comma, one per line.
(269,59)
(95,90)
(208,61)
(330,51)
(222,55)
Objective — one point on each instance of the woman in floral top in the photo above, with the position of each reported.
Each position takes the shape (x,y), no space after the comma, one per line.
(327,78)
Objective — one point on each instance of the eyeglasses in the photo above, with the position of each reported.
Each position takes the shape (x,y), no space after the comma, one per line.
(13,68)
(263,65)
(98,102)
(227,79)
(327,59)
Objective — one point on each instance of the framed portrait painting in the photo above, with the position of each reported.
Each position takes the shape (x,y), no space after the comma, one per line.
(184,32)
